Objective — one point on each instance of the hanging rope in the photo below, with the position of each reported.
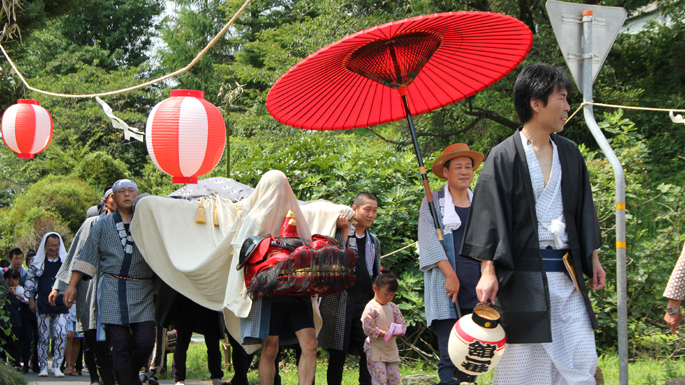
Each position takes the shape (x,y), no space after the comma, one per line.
(398,250)
(592,103)
(151,82)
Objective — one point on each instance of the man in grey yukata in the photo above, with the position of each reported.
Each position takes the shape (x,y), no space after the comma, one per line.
(96,353)
(125,300)
(449,278)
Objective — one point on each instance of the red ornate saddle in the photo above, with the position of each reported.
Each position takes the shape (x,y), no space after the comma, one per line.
(288,266)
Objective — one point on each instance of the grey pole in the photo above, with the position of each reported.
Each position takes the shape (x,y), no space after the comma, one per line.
(620,201)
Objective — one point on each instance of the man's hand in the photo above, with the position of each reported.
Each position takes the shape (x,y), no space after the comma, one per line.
(673,320)
(32,305)
(487,287)
(452,287)
(52,297)
(598,274)
(451,281)
(70,296)
(342,223)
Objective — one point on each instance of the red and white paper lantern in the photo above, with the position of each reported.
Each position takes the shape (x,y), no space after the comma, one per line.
(477,341)
(185,135)
(26,128)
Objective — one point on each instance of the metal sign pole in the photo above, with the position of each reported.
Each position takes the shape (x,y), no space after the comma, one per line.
(620,200)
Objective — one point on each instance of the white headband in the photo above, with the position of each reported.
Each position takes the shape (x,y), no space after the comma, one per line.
(124,183)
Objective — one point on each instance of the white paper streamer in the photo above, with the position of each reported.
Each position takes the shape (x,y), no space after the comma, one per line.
(129,132)
(676,119)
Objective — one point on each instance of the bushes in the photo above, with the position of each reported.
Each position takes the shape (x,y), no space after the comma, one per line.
(100,169)
(9,375)
(52,204)
(654,214)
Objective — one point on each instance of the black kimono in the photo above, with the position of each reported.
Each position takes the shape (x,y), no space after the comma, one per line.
(503,228)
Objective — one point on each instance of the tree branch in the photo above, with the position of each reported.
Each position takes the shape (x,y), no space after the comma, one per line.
(405,143)
(421,134)
(495,117)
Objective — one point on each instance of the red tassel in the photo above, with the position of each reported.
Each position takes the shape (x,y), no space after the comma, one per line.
(289,227)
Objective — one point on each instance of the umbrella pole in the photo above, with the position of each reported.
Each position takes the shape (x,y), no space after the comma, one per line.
(426,186)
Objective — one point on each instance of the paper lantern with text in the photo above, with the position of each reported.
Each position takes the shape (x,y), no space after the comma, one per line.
(185,135)
(26,128)
(477,342)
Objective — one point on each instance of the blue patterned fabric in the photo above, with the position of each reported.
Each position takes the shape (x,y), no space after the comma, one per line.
(104,249)
(438,305)
(86,291)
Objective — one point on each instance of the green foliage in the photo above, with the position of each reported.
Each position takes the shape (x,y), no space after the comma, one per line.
(99,169)
(5,327)
(9,375)
(337,166)
(654,214)
(61,58)
(123,28)
(29,15)
(155,182)
(85,46)
(81,127)
(52,204)
(649,65)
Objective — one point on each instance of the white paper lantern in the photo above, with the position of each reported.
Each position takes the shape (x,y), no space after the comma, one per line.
(477,341)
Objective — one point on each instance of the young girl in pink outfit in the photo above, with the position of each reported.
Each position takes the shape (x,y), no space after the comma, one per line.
(382,322)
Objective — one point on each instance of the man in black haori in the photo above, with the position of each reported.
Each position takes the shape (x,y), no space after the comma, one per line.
(535,215)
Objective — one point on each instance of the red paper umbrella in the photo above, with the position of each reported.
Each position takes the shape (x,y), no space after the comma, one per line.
(26,128)
(396,70)
(185,135)
(436,60)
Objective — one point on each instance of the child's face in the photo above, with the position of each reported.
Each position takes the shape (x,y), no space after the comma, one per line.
(383,295)
(15,281)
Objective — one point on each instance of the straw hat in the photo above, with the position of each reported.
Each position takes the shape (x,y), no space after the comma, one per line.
(454,151)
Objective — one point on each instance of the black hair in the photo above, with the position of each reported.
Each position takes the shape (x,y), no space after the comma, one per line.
(447,164)
(537,82)
(387,279)
(11,273)
(109,186)
(362,197)
(15,251)
(4,263)
(31,253)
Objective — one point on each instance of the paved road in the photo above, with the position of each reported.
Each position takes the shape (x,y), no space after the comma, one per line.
(33,379)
